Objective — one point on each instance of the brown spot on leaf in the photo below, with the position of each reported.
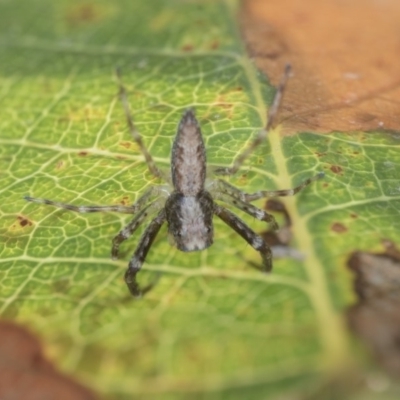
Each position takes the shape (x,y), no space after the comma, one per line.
(83,153)
(338,227)
(214,45)
(336,169)
(60,164)
(127,145)
(125,201)
(221,102)
(24,221)
(26,374)
(353,215)
(376,316)
(187,48)
(21,222)
(81,14)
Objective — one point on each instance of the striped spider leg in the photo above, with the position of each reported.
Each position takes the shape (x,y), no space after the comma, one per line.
(188,203)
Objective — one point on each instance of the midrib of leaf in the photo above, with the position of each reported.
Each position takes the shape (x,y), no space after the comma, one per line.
(333,334)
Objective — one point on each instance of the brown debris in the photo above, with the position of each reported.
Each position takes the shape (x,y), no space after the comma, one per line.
(344,57)
(376,316)
(283,236)
(25,374)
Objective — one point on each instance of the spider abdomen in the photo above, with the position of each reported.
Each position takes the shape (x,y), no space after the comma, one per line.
(189,218)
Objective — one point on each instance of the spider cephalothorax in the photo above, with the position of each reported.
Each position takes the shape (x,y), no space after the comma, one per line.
(188,205)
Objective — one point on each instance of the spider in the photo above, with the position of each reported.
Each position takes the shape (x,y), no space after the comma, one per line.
(188,202)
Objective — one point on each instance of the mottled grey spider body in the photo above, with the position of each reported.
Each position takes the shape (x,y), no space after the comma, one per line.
(189,208)
(188,204)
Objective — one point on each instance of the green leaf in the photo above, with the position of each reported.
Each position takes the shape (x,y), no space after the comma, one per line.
(212,325)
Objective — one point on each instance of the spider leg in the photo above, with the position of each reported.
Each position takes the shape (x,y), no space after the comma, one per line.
(134,132)
(236,193)
(272,113)
(134,208)
(248,208)
(140,255)
(256,241)
(129,229)
(284,192)
(83,209)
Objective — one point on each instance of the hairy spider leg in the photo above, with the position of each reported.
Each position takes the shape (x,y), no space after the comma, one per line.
(133,209)
(254,240)
(262,135)
(129,229)
(236,193)
(283,192)
(140,254)
(255,212)
(134,132)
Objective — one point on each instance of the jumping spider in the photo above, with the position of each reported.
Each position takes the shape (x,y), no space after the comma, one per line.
(188,202)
